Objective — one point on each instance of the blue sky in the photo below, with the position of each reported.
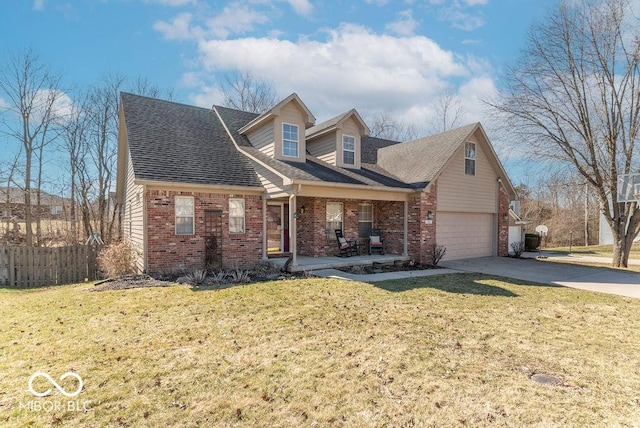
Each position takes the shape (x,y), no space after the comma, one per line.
(379,56)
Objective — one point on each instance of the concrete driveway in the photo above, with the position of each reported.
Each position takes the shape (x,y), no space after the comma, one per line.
(583,277)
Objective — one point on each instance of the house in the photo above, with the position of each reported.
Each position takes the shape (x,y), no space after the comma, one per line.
(221,187)
(12,204)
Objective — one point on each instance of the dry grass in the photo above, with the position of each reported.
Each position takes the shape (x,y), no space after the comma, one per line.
(596,250)
(454,350)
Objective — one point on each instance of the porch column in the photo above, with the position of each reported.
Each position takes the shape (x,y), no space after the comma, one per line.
(264,228)
(293,229)
(405,250)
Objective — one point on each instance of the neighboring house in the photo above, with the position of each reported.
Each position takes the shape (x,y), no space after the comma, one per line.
(12,204)
(221,187)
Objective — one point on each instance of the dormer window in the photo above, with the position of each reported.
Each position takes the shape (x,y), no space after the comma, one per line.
(348,150)
(290,140)
(470,158)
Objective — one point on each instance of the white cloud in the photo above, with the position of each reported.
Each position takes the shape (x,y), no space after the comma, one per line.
(4,104)
(405,25)
(460,19)
(235,18)
(476,2)
(301,7)
(38,5)
(351,67)
(178,29)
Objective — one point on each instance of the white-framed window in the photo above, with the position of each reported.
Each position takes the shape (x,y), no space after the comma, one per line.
(470,158)
(334,219)
(348,150)
(290,140)
(365,220)
(55,209)
(185,210)
(236,215)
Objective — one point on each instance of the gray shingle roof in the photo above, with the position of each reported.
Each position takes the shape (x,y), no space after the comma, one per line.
(174,142)
(370,146)
(183,144)
(312,170)
(420,161)
(316,129)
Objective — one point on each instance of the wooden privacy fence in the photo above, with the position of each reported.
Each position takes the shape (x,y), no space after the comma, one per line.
(36,266)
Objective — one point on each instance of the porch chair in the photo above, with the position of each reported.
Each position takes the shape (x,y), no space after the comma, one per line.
(347,248)
(376,243)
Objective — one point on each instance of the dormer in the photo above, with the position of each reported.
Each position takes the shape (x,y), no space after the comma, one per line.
(338,141)
(280,131)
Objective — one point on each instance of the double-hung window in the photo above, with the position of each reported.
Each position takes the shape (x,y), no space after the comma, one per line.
(365,220)
(236,215)
(290,140)
(348,150)
(184,215)
(334,218)
(470,158)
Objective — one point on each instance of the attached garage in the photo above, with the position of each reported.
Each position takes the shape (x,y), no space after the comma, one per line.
(465,235)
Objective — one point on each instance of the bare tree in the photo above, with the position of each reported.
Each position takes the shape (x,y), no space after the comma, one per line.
(243,92)
(11,170)
(448,110)
(387,126)
(32,92)
(73,141)
(574,97)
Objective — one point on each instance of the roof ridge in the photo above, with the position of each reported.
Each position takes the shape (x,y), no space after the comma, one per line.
(163,100)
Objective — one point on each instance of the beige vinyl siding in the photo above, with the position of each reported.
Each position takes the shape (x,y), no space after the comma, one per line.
(290,113)
(349,127)
(133,213)
(466,193)
(263,139)
(324,148)
(272,182)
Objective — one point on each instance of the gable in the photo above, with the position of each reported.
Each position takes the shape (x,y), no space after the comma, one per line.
(457,191)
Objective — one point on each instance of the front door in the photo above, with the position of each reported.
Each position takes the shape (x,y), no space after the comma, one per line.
(277,228)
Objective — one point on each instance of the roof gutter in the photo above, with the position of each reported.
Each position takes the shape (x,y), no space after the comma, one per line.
(200,186)
(354,186)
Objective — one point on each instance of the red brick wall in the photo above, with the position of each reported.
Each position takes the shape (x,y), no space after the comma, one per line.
(167,251)
(503,225)
(422,236)
(312,238)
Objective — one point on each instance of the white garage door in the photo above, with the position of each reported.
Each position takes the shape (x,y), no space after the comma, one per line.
(465,235)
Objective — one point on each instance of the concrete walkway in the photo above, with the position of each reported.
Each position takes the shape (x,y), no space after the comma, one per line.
(542,271)
(612,281)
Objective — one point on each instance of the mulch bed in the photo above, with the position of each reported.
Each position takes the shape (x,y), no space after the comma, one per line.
(382,268)
(138,281)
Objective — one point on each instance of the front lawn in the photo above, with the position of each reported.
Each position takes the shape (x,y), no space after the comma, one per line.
(452,350)
(595,250)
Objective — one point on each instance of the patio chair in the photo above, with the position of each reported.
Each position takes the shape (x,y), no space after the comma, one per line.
(376,243)
(347,248)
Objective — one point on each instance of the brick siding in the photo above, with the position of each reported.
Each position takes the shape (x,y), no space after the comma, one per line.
(167,251)
(503,225)
(312,236)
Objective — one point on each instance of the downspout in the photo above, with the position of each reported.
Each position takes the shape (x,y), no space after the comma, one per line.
(293,227)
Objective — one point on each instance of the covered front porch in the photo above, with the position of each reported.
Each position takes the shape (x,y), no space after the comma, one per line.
(306,263)
(303,224)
